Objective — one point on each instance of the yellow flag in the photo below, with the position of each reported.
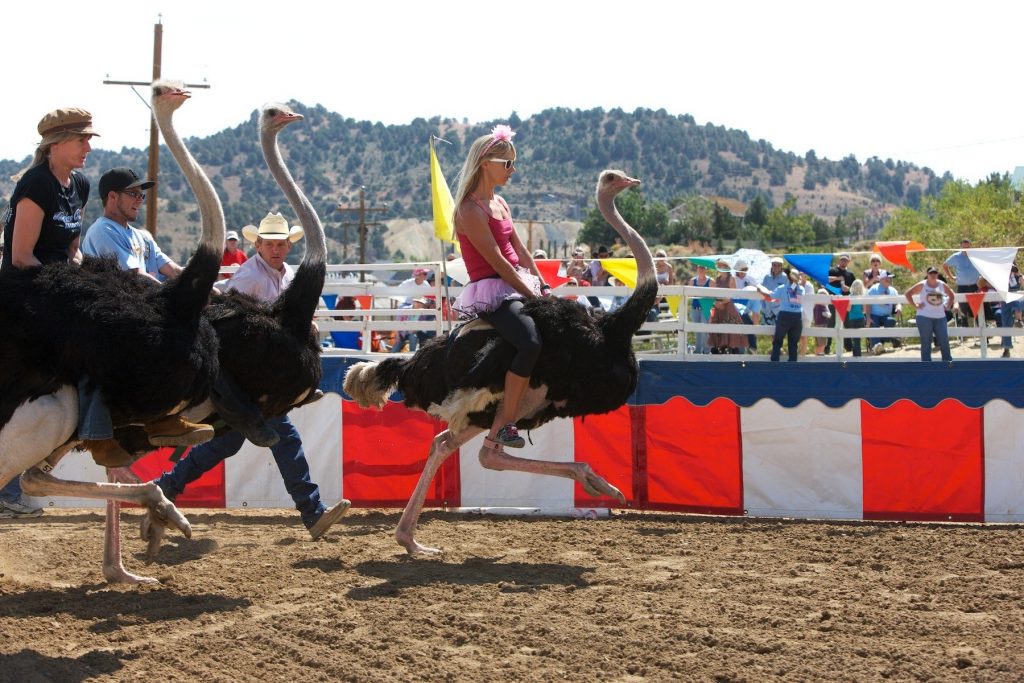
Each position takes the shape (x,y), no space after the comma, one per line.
(441,197)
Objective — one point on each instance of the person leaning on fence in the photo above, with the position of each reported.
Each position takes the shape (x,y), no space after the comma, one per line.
(1009,311)
(882,315)
(724,312)
(935,299)
(750,309)
(701,279)
(790,318)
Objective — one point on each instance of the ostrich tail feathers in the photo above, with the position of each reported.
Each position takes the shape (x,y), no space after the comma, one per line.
(370,384)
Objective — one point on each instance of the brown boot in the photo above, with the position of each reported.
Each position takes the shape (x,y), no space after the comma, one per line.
(108,452)
(175,430)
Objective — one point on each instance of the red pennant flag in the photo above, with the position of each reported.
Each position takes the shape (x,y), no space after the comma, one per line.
(842,306)
(896,252)
(975,299)
(549,271)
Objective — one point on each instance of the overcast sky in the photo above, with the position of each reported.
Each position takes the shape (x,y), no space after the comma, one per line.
(934,83)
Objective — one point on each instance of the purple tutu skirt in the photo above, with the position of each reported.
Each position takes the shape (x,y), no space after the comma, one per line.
(481,297)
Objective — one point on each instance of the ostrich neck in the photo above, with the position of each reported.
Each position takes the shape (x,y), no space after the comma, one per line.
(316,242)
(636,244)
(210,209)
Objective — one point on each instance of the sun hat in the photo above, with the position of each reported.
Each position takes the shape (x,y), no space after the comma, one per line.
(273,227)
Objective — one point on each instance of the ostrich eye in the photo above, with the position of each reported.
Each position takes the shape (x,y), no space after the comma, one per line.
(273,112)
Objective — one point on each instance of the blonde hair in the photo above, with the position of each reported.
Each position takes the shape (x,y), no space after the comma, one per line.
(43,150)
(469,176)
(857,288)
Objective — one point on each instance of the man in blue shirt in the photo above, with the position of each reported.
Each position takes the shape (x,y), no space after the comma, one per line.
(966,275)
(790,319)
(122,193)
(771,281)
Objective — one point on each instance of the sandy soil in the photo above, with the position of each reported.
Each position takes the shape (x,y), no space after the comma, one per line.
(633,598)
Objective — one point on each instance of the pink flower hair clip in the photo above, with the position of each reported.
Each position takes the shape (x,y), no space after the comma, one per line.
(501,133)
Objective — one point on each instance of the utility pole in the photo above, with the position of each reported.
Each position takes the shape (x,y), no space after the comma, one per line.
(154,132)
(362,225)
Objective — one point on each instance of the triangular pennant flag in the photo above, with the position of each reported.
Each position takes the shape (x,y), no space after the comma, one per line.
(993,264)
(815,266)
(673,304)
(976,300)
(896,252)
(624,269)
(842,305)
(549,271)
(441,197)
(706,305)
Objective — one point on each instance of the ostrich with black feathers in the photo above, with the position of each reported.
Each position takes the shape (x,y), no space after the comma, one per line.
(148,346)
(586,367)
(271,349)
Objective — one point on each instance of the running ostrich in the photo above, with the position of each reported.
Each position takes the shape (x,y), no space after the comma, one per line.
(586,367)
(270,348)
(148,346)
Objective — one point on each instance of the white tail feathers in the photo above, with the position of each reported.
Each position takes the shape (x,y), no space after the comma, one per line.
(361,384)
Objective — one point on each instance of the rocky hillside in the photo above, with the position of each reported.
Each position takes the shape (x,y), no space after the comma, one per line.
(561,152)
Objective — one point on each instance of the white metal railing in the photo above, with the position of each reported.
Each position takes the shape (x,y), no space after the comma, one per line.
(669,334)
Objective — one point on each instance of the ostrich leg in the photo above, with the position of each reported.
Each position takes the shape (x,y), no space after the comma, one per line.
(113,565)
(35,482)
(493,457)
(444,444)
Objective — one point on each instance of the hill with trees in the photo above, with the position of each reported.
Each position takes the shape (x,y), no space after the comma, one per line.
(561,151)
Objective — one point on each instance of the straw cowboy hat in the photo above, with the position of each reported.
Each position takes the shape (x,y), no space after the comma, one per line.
(273,227)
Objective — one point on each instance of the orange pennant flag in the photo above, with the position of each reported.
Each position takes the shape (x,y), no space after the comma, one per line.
(975,299)
(896,252)
(842,306)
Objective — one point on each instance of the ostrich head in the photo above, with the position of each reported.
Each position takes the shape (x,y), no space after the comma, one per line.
(611,182)
(275,116)
(169,95)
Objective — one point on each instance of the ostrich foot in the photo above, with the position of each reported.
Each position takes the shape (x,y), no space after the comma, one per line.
(413,547)
(152,531)
(161,514)
(118,574)
(492,445)
(596,485)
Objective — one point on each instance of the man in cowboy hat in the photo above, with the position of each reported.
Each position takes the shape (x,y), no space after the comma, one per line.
(264,276)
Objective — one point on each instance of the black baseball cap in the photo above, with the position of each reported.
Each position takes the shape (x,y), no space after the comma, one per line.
(121,179)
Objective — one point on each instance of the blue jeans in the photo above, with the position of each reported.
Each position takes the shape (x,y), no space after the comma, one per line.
(697,316)
(880,321)
(929,328)
(11,493)
(1006,320)
(94,420)
(291,462)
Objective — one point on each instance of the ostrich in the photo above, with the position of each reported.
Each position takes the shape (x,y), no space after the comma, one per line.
(148,346)
(270,348)
(586,367)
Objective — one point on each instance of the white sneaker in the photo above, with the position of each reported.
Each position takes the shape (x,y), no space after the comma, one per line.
(877,349)
(19,509)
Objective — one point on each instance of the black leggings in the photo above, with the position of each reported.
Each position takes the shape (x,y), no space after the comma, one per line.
(518,330)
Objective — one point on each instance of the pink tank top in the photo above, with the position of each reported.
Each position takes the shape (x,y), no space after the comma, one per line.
(476,265)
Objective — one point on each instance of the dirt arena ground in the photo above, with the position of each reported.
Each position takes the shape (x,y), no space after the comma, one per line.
(637,597)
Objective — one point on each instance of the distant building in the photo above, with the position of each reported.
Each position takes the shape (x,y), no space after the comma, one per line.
(1017,181)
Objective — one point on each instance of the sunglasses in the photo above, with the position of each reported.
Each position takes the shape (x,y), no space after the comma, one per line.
(135,195)
(509,163)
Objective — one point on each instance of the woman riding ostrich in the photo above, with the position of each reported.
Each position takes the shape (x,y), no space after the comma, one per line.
(464,380)
(149,348)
